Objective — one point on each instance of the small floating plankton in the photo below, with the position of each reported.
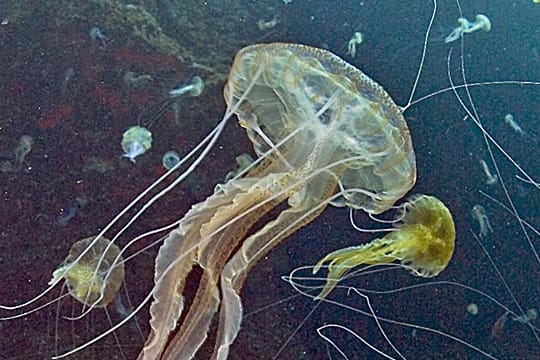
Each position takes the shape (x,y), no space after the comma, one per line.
(136,141)
(511,121)
(465,26)
(170,159)
(356,39)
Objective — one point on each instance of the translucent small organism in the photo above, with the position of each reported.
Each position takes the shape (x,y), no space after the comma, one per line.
(68,213)
(490,178)
(479,214)
(356,39)
(530,315)
(481,22)
(195,88)
(96,34)
(131,79)
(23,148)
(243,161)
(472,309)
(136,141)
(95,278)
(511,121)
(170,159)
(267,25)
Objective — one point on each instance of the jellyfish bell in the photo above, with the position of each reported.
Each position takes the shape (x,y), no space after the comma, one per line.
(93,271)
(423,241)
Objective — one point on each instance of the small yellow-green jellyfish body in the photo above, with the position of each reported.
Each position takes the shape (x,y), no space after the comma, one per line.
(423,240)
(136,141)
(87,279)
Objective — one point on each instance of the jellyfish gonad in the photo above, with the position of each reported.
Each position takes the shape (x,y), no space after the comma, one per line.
(423,241)
(324,133)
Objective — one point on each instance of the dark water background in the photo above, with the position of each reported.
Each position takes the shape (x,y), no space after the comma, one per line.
(75,121)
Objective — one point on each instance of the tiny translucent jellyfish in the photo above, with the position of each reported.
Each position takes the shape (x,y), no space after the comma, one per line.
(96,34)
(132,79)
(511,121)
(243,161)
(490,178)
(530,315)
(136,141)
(481,22)
(95,278)
(472,309)
(24,146)
(195,88)
(267,25)
(356,39)
(423,241)
(170,159)
(479,214)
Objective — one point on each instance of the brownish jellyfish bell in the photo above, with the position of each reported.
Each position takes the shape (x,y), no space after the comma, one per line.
(93,277)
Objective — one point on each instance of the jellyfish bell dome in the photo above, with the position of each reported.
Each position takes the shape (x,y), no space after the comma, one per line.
(94,278)
(321,114)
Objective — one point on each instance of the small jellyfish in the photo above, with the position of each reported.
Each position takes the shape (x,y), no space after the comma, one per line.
(66,214)
(481,22)
(22,149)
(479,214)
(170,159)
(490,178)
(194,89)
(530,315)
(136,141)
(92,280)
(267,25)
(243,161)
(472,309)
(511,121)
(356,39)
(96,34)
(423,241)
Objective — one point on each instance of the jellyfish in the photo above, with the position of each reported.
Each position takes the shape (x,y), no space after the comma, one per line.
(136,141)
(23,148)
(423,241)
(356,39)
(324,134)
(481,22)
(195,88)
(94,274)
(170,159)
(148,117)
(490,178)
(479,214)
(511,121)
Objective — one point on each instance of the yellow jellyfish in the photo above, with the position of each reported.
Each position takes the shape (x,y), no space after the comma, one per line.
(423,241)
(92,279)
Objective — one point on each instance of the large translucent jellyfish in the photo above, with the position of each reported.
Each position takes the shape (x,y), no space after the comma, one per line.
(93,277)
(423,241)
(325,133)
